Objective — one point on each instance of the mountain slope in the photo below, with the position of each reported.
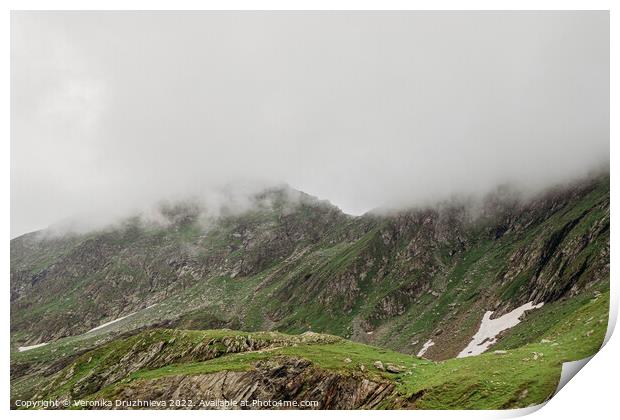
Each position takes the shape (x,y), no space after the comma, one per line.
(163,366)
(293,263)
(129,312)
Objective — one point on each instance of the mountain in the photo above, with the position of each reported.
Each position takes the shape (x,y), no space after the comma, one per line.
(417,282)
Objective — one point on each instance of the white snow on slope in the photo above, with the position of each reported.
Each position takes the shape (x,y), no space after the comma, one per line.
(26,348)
(490,328)
(111,322)
(118,319)
(425,347)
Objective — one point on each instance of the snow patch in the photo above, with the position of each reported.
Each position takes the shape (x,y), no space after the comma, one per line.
(111,322)
(490,328)
(26,348)
(118,319)
(425,347)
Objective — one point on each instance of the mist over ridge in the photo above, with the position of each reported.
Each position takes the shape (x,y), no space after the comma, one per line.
(243,199)
(375,110)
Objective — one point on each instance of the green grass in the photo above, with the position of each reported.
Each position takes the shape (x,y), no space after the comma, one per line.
(538,323)
(527,374)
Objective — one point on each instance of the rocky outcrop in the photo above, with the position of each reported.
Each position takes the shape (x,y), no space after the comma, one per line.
(157,348)
(281,380)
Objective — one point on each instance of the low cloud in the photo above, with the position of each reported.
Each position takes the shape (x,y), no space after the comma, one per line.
(113,112)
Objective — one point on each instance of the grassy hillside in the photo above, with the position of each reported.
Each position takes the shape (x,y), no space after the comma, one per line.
(518,376)
(146,308)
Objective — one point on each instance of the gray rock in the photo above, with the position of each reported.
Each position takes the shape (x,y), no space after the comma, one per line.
(392,368)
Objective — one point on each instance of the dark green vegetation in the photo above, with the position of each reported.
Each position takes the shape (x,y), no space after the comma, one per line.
(293,264)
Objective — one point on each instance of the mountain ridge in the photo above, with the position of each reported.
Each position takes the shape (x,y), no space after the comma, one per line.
(419,282)
(396,261)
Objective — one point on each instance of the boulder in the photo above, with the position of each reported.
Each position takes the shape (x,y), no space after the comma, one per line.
(393,368)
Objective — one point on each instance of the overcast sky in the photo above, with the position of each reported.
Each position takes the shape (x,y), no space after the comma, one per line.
(113,111)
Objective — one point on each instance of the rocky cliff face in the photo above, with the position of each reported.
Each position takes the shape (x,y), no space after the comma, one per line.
(293,380)
(155,349)
(394,279)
